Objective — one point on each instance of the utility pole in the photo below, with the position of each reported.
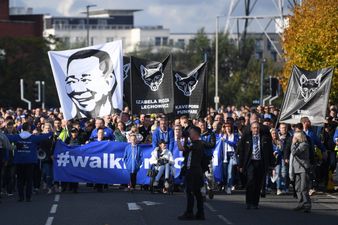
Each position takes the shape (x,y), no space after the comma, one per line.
(262,80)
(216,99)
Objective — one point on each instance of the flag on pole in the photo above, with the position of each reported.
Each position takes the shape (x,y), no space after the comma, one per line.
(307,95)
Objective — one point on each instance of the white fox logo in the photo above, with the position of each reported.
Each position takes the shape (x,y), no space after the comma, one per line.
(126,69)
(308,87)
(152,77)
(186,84)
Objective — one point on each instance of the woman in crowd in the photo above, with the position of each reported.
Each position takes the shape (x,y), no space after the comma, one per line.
(277,153)
(132,159)
(299,170)
(230,140)
(120,133)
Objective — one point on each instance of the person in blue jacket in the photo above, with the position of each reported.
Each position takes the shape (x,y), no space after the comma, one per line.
(107,132)
(25,156)
(132,159)
(163,132)
(335,137)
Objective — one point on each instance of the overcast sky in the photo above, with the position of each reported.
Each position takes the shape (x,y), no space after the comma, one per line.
(177,15)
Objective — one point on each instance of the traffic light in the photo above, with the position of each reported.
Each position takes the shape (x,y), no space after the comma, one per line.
(274,86)
(37,91)
(266,86)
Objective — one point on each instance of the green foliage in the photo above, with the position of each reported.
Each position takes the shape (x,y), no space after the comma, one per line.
(25,58)
(310,41)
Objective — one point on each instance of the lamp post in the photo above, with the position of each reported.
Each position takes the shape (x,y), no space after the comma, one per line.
(216,98)
(262,80)
(88,7)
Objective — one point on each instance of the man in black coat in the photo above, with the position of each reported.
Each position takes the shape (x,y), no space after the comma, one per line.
(193,160)
(255,158)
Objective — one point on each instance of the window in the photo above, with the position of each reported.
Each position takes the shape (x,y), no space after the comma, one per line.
(180,43)
(165,41)
(157,41)
(109,39)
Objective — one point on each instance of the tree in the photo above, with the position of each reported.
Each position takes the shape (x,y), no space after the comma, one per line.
(310,41)
(25,58)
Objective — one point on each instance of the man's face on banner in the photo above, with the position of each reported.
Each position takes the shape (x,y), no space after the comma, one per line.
(87,84)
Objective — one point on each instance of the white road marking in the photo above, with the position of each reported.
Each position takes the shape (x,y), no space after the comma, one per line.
(133,206)
(49,220)
(331,196)
(57,198)
(54,208)
(225,219)
(210,207)
(148,203)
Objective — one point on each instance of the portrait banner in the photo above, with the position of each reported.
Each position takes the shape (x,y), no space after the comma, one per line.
(89,81)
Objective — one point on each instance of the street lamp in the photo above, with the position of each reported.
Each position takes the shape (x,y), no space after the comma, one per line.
(263,60)
(216,99)
(88,7)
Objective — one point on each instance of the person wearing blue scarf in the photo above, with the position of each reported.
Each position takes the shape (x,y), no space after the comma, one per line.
(133,160)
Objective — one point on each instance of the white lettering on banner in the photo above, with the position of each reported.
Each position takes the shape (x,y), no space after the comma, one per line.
(177,107)
(63,159)
(155,106)
(152,101)
(95,162)
(105,160)
(78,160)
(114,162)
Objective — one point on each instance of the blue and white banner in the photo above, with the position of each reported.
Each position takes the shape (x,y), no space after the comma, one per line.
(102,162)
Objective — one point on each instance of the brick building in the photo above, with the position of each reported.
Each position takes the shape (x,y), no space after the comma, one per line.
(19,25)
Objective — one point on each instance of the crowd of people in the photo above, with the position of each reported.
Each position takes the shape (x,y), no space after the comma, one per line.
(258,153)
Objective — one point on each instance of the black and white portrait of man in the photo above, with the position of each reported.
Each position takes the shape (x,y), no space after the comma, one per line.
(91,82)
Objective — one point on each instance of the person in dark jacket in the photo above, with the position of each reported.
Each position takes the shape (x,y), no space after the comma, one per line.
(5,148)
(209,140)
(255,158)
(73,140)
(193,158)
(286,141)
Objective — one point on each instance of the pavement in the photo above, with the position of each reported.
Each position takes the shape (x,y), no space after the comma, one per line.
(116,206)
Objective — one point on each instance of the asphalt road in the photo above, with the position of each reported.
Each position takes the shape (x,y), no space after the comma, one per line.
(142,208)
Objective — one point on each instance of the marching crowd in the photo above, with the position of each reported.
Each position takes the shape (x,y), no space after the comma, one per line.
(258,153)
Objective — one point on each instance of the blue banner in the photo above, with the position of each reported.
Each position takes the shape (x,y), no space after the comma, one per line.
(102,163)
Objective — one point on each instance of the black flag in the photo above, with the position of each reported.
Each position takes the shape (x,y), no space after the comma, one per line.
(191,92)
(126,80)
(152,86)
(307,95)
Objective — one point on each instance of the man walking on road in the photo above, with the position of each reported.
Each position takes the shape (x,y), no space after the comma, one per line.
(193,158)
(255,155)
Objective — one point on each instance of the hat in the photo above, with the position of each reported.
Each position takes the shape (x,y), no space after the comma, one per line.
(74,130)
